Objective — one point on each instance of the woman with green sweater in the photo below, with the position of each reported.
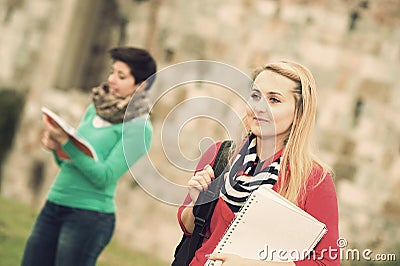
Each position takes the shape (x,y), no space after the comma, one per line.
(78,218)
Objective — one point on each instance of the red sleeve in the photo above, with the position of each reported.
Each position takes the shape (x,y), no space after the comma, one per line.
(207,158)
(321,202)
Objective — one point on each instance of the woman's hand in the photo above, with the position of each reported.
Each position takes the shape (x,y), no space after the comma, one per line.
(200,181)
(48,142)
(232,260)
(235,260)
(53,136)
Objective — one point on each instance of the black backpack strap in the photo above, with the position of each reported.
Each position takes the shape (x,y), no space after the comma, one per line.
(207,200)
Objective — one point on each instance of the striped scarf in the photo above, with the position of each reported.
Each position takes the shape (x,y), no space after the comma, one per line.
(246,175)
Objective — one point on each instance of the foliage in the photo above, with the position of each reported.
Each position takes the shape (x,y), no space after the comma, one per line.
(11,104)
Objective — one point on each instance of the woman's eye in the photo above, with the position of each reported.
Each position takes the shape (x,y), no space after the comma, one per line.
(274,100)
(255,96)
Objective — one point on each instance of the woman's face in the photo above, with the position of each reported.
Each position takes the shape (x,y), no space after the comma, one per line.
(120,80)
(272,106)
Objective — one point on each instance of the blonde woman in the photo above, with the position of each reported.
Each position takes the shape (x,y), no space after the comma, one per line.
(280,120)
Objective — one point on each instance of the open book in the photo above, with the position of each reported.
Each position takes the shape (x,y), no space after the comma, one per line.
(269,227)
(73,135)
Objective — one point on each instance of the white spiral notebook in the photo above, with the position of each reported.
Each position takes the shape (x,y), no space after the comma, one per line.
(269,227)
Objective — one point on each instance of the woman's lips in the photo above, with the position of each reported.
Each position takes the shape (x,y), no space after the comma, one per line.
(259,119)
(113,91)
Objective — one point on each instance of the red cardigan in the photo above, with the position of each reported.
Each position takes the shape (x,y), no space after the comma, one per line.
(319,201)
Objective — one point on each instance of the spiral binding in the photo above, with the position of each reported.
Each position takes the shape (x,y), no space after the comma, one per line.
(225,238)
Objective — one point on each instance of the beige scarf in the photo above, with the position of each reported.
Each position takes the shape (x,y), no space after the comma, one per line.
(116,109)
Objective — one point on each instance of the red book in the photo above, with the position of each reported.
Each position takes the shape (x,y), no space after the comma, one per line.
(73,135)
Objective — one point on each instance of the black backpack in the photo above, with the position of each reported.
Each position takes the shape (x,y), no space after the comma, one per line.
(204,208)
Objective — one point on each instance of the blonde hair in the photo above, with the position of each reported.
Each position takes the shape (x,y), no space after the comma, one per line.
(297,160)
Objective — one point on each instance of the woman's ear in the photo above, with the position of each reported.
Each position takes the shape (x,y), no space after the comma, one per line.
(141,86)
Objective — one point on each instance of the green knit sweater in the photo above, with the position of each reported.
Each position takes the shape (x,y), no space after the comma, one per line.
(85,183)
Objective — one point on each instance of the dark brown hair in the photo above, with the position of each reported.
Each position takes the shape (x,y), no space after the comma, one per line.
(141,63)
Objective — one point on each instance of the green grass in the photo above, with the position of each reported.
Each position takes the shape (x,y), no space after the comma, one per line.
(16,221)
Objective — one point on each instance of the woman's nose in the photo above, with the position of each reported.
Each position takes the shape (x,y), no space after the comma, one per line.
(260,106)
(111,78)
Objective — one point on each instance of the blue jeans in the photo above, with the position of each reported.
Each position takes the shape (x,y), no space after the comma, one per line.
(65,236)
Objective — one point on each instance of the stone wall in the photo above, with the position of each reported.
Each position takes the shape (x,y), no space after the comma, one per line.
(352,48)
